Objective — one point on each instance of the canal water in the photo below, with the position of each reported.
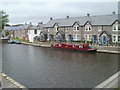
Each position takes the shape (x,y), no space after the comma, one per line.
(38,67)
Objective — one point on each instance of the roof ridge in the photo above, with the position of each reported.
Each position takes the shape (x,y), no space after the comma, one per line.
(85,16)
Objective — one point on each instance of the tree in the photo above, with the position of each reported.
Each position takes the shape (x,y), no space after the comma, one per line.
(3,19)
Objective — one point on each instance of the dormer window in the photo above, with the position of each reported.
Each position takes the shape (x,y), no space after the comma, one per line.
(99,28)
(76,28)
(115,27)
(48,30)
(35,31)
(118,26)
(88,28)
(56,28)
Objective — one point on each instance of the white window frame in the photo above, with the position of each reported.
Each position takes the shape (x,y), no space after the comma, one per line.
(66,29)
(77,37)
(75,27)
(56,28)
(48,29)
(118,39)
(88,37)
(99,28)
(115,25)
(74,37)
(66,37)
(88,27)
(114,39)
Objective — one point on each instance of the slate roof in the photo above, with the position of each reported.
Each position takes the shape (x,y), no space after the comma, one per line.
(39,27)
(34,27)
(16,27)
(44,32)
(94,20)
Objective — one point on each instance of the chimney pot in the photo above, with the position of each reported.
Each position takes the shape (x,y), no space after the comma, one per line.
(67,16)
(88,14)
(31,23)
(51,18)
(113,13)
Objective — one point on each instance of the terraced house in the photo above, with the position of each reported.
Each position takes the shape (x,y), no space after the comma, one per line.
(98,29)
(20,31)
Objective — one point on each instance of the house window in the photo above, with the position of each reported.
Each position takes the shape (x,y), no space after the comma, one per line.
(29,31)
(118,26)
(114,38)
(118,38)
(88,37)
(76,28)
(88,28)
(99,28)
(56,28)
(48,30)
(35,31)
(115,27)
(74,37)
(66,29)
(66,36)
(78,37)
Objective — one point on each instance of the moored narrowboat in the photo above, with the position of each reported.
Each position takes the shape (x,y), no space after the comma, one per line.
(78,47)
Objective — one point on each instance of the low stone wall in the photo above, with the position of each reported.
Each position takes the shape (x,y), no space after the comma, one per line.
(111,48)
(111,82)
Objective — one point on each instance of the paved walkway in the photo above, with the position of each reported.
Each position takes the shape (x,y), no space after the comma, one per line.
(7,82)
(111,82)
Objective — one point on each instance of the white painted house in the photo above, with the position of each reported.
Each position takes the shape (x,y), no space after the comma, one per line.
(35,31)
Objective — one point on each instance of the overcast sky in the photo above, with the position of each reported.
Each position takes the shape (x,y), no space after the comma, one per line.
(25,11)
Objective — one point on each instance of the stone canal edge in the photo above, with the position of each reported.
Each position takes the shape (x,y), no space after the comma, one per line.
(8,82)
(111,82)
(48,45)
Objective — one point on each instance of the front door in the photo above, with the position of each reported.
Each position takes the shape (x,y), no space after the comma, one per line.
(59,38)
(94,38)
(104,40)
(70,38)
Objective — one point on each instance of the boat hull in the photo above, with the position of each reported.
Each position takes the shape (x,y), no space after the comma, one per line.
(74,49)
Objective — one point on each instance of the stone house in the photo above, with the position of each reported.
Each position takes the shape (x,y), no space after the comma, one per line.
(20,32)
(34,32)
(98,29)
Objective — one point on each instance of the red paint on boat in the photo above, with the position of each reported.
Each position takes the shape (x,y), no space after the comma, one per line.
(79,47)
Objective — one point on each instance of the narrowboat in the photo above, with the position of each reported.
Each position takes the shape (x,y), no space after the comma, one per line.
(14,42)
(77,47)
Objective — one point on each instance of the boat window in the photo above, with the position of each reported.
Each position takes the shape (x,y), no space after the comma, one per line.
(60,45)
(88,47)
(73,45)
(80,46)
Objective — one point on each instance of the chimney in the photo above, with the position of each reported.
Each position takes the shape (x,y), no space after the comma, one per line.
(67,16)
(88,14)
(113,13)
(40,22)
(51,18)
(30,23)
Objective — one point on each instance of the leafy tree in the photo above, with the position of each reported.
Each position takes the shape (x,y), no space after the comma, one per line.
(3,19)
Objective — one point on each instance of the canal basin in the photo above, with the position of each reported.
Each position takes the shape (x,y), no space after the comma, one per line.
(37,67)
